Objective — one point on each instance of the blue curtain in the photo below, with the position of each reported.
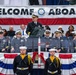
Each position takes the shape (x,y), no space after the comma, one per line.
(49,2)
(57,2)
(66,2)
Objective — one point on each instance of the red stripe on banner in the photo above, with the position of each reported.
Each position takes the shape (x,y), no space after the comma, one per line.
(44,21)
(73,74)
(65,56)
(10,55)
(6,74)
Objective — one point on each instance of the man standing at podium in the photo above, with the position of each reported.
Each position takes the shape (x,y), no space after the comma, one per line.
(34,26)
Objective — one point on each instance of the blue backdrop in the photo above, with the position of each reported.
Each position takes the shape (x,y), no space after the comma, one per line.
(57,2)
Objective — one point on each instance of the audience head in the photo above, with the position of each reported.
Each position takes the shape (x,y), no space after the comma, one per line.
(71,28)
(47,33)
(58,33)
(47,28)
(60,28)
(23,49)
(18,33)
(22,26)
(10,28)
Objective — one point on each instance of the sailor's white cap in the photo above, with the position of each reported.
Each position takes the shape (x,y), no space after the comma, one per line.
(52,49)
(47,32)
(18,31)
(23,47)
(58,31)
(34,15)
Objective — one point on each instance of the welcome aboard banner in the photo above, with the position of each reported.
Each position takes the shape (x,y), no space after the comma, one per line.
(48,15)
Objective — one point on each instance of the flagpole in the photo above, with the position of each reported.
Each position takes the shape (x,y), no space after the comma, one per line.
(39,49)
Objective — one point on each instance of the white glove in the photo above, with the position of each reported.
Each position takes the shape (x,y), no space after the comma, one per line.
(12,49)
(15,74)
(58,50)
(29,74)
(3,50)
(47,46)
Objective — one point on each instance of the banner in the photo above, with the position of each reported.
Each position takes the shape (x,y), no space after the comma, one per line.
(48,15)
(68,63)
(43,12)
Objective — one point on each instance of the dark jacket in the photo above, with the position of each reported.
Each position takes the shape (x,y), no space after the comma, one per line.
(69,34)
(52,66)
(11,33)
(22,63)
(33,28)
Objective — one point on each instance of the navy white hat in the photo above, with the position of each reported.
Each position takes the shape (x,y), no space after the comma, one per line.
(23,47)
(52,49)
(18,31)
(58,31)
(47,32)
(34,15)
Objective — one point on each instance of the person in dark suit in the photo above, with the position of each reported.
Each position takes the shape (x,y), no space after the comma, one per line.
(34,26)
(11,32)
(69,32)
